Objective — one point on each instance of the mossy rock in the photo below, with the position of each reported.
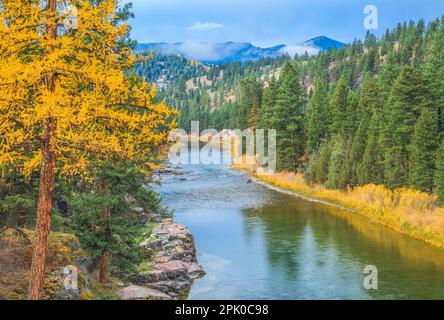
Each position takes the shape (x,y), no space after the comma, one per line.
(15,263)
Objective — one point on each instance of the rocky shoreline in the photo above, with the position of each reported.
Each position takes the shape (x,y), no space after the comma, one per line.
(171,265)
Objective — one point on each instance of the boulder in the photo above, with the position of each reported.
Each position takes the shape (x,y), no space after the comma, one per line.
(173,269)
(171,248)
(134,292)
(195,270)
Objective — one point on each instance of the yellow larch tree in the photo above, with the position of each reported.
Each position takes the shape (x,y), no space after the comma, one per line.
(68,98)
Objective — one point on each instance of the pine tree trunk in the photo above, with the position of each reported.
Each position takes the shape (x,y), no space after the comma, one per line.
(102,268)
(47,176)
(43,225)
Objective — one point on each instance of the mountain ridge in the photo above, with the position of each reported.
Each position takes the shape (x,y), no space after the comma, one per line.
(229,51)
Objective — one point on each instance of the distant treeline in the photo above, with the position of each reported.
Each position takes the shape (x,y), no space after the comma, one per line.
(371,112)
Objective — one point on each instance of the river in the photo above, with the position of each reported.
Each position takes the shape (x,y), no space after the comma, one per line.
(257,243)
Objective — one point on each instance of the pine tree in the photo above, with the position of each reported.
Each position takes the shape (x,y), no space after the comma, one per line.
(268,103)
(317,126)
(370,99)
(434,74)
(338,107)
(321,168)
(423,151)
(388,76)
(288,119)
(408,98)
(352,122)
(69,99)
(439,174)
(113,238)
(250,103)
(335,166)
(369,103)
(345,175)
(371,170)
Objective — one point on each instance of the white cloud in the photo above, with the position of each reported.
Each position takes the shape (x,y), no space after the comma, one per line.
(205,26)
(292,50)
(204,50)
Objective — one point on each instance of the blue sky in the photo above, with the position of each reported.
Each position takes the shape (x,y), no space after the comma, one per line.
(266,22)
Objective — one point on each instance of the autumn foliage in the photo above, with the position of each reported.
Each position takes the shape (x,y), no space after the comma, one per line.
(69,99)
(100,109)
(405,210)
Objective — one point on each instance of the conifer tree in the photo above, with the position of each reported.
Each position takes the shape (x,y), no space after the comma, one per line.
(250,103)
(408,98)
(370,99)
(439,173)
(368,104)
(434,74)
(345,174)
(338,107)
(317,117)
(337,158)
(371,170)
(268,103)
(321,168)
(423,151)
(288,119)
(352,120)
(68,98)
(388,76)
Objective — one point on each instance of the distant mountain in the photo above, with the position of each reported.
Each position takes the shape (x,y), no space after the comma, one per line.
(217,53)
(324,43)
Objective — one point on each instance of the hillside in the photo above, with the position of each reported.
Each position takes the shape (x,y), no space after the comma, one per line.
(369,102)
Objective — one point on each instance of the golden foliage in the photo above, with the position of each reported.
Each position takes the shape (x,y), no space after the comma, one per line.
(102,111)
(405,210)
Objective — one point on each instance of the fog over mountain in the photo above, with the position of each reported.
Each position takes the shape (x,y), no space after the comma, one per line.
(222,52)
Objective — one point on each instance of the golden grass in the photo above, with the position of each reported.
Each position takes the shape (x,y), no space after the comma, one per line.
(405,210)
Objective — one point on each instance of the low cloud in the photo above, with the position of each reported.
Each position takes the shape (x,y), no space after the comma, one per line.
(205,26)
(292,50)
(205,51)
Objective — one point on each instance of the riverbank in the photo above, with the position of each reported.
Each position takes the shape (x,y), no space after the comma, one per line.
(404,210)
(171,265)
(168,269)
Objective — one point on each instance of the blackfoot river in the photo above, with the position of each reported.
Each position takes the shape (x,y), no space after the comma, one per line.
(257,243)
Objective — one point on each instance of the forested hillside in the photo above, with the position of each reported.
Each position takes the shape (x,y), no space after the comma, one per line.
(371,112)
(165,70)
(216,89)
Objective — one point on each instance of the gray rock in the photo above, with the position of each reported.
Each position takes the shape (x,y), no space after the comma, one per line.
(134,292)
(173,269)
(139,210)
(174,256)
(152,276)
(143,220)
(156,218)
(195,270)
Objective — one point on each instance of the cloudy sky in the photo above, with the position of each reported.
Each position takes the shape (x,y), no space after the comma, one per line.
(269,22)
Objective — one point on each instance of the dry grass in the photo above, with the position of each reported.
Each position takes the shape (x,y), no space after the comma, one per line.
(408,211)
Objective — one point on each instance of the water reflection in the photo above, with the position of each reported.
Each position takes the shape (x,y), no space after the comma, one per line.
(255,243)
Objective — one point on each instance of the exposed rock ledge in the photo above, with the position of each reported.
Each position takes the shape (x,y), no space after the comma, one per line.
(171,265)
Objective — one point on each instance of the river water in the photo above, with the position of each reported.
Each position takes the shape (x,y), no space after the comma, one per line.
(257,243)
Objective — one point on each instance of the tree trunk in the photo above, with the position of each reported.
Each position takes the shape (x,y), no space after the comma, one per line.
(43,225)
(47,175)
(102,269)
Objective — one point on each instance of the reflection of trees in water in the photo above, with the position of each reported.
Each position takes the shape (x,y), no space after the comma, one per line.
(281,231)
(407,266)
